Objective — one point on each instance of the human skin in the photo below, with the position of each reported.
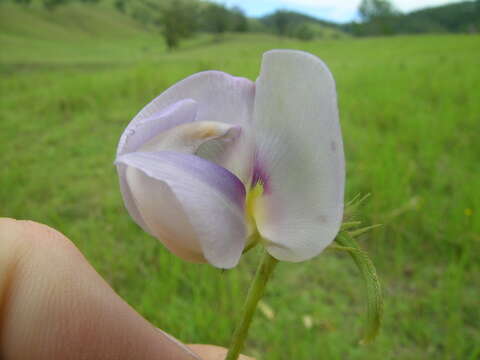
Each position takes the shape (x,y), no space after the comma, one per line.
(54,305)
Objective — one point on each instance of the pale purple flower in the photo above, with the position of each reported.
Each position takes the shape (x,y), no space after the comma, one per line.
(216,158)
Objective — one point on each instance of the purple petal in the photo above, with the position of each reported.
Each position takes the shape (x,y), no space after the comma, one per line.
(141,131)
(207,201)
(220,97)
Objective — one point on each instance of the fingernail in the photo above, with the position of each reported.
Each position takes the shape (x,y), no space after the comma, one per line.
(180,344)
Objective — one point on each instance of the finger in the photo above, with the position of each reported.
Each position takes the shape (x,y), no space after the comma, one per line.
(211,352)
(53,305)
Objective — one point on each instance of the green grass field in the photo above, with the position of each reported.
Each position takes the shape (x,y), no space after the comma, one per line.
(410,116)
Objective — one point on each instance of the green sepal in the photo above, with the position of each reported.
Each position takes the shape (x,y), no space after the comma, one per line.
(358,232)
(352,206)
(350,224)
(374,292)
(252,241)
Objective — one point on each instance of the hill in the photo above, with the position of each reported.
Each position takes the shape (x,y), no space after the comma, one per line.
(91,33)
(292,23)
(72,21)
(457,17)
(462,17)
(99,34)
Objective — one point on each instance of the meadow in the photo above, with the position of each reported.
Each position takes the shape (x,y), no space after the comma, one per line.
(410,118)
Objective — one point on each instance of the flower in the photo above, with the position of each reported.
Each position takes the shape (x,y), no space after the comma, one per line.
(217,161)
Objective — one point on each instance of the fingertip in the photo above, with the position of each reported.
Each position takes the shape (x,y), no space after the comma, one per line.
(27,232)
(56,306)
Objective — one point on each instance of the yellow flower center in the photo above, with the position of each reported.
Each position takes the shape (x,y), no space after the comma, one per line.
(252,210)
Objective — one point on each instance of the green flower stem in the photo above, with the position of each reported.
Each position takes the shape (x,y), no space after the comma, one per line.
(264,270)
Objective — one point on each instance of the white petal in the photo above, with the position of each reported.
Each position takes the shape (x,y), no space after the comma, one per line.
(220,97)
(188,137)
(299,155)
(195,207)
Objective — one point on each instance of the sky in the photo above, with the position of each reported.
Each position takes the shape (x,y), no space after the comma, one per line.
(332,10)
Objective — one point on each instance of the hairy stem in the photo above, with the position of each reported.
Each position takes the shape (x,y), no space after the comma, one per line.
(257,288)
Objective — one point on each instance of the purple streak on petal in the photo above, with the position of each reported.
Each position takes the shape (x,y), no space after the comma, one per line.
(211,173)
(216,176)
(138,133)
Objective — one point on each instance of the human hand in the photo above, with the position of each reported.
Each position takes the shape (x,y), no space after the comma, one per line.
(211,352)
(53,305)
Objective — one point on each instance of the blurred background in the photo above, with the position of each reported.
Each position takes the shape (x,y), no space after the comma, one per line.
(73,73)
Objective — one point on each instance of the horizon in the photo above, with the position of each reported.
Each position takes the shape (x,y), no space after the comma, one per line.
(328,10)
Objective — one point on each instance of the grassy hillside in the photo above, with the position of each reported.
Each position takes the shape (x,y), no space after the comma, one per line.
(73,21)
(75,32)
(409,111)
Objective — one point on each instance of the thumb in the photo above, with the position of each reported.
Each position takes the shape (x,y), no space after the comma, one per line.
(210,352)
(53,305)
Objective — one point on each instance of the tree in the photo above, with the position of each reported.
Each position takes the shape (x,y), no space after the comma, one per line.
(52,4)
(240,21)
(281,22)
(477,24)
(178,19)
(303,32)
(379,15)
(217,18)
(120,5)
(372,9)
